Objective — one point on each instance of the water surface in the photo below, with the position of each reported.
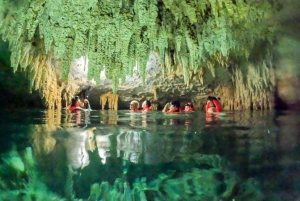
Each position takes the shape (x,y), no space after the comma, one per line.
(109,155)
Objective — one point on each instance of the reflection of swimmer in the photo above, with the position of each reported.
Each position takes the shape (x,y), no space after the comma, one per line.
(188,122)
(77,116)
(211,117)
(81,122)
(77,145)
(171,122)
(103,145)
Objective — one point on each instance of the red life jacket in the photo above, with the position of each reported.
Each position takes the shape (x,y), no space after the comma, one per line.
(208,105)
(72,108)
(218,106)
(189,109)
(214,103)
(146,109)
(174,110)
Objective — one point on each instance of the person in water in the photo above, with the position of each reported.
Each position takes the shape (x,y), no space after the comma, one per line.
(86,104)
(213,105)
(188,107)
(146,106)
(134,106)
(173,107)
(76,104)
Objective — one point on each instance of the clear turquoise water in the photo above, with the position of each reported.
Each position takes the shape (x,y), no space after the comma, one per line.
(246,155)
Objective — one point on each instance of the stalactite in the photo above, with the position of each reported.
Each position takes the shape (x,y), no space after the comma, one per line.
(155,93)
(110,99)
(254,89)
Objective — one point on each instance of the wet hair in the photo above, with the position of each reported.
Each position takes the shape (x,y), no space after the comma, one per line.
(74,100)
(148,103)
(176,103)
(210,98)
(135,104)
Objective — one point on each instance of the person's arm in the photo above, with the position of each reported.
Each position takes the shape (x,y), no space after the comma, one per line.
(81,104)
(166,107)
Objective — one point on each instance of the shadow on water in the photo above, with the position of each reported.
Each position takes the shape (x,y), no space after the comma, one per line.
(97,155)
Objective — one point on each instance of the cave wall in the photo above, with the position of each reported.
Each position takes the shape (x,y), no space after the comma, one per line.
(235,85)
(286,56)
(15,87)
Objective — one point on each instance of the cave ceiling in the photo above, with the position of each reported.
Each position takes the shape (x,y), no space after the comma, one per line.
(46,36)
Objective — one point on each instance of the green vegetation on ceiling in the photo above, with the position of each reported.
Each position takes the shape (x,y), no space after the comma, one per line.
(115,35)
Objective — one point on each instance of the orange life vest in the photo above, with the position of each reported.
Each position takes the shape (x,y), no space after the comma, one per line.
(146,109)
(189,109)
(174,110)
(214,103)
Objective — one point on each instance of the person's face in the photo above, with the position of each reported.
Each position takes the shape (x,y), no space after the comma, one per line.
(132,106)
(187,107)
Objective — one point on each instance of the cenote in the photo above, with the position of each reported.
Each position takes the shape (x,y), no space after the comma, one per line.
(118,155)
(112,56)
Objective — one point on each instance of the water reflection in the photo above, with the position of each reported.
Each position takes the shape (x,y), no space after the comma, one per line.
(103,146)
(129,146)
(152,156)
(78,143)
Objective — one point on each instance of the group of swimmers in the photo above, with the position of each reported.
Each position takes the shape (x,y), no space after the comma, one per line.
(213,105)
(146,106)
(76,104)
(170,107)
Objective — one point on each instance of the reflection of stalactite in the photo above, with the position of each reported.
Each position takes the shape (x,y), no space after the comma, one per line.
(43,141)
(77,146)
(112,100)
(103,145)
(131,145)
(109,117)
